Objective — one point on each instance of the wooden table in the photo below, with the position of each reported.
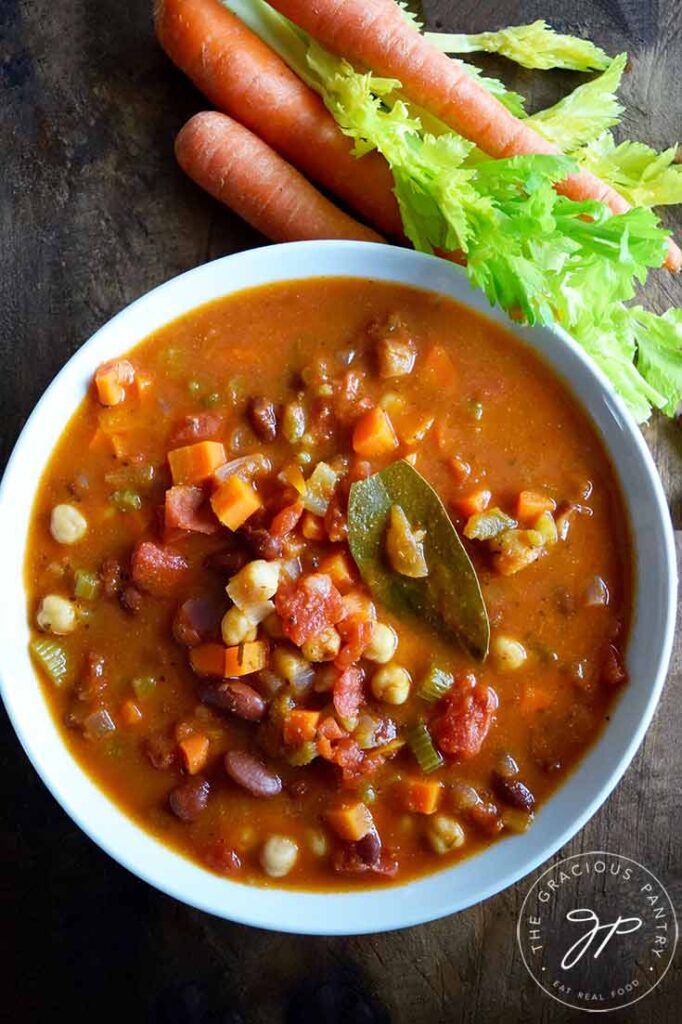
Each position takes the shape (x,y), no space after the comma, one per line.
(94,213)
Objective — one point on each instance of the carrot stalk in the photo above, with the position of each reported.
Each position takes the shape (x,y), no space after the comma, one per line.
(244,78)
(244,173)
(376,35)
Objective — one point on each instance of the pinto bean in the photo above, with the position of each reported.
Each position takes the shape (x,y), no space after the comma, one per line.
(236,698)
(513,792)
(250,773)
(188,800)
(263,418)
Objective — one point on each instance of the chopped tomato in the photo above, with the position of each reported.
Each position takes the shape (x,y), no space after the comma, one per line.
(356,634)
(348,692)
(308,606)
(200,426)
(462,728)
(187,509)
(156,569)
(286,519)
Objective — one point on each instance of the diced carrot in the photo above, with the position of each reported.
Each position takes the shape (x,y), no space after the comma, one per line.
(312,527)
(246,658)
(531,504)
(300,726)
(338,566)
(535,698)
(420,796)
(111,380)
(477,501)
(196,463)
(437,368)
(459,469)
(351,822)
(142,383)
(194,752)
(234,502)
(292,474)
(374,435)
(413,427)
(130,713)
(208,660)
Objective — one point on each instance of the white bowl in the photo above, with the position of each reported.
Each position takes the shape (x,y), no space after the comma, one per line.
(456,887)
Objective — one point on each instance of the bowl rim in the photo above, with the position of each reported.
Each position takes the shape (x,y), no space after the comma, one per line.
(347,912)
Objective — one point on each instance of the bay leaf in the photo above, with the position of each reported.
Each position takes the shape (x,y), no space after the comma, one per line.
(449,599)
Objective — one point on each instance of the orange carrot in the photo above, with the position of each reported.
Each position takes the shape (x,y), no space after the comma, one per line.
(437,368)
(196,463)
(234,502)
(477,501)
(243,172)
(375,34)
(531,504)
(244,78)
(351,822)
(246,658)
(208,659)
(300,727)
(111,380)
(194,752)
(373,434)
(338,566)
(421,796)
(130,713)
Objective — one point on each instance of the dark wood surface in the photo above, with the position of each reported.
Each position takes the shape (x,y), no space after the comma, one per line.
(93,213)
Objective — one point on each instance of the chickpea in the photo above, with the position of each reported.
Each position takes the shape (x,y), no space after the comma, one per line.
(67,524)
(294,669)
(278,856)
(56,615)
(444,834)
(236,628)
(255,584)
(391,684)
(322,647)
(508,654)
(383,644)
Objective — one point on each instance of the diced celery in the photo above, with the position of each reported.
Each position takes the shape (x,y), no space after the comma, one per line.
(303,754)
(52,658)
(436,684)
(85,585)
(488,524)
(421,745)
(319,489)
(143,686)
(127,500)
(293,422)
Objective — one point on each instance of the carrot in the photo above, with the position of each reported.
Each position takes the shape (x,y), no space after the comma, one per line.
(300,727)
(339,567)
(130,713)
(196,463)
(243,172)
(531,504)
(412,427)
(375,34)
(351,822)
(438,369)
(194,752)
(244,78)
(477,501)
(373,434)
(207,659)
(234,502)
(246,658)
(111,380)
(421,796)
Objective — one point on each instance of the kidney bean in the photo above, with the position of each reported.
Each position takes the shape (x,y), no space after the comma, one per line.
(513,792)
(188,800)
(197,620)
(236,698)
(369,848)
(260,541)
(93,680)
(221,857)
(111,574)
(250,773)
(263,418)
(229,560)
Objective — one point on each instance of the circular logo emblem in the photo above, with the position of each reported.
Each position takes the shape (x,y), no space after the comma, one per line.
(597,931)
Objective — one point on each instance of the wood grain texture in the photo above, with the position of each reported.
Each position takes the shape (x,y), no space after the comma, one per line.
(93,213)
